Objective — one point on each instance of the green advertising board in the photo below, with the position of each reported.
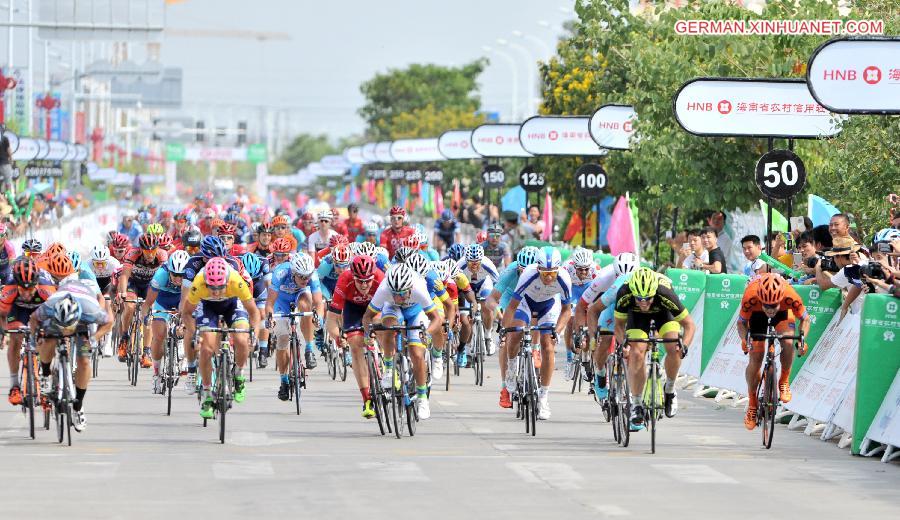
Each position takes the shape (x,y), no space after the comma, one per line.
(688,285)
(175,152)
(878,361)
(821,306)
(721,303)
(257,153)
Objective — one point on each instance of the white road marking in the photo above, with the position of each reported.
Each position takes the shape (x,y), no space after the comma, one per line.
(555,474)
(481,431)
(608,510)
(396,471)
(710,440)
(506,447)
(694,473)
(443,402)
(242,469)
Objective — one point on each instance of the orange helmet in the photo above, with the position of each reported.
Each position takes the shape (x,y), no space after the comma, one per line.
(281,245)
(216,222)
(770,289)
(280,220)
(55,248)
(60,266)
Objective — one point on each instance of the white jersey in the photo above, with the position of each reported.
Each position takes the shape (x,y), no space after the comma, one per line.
(476,279)
(318,241)
(606,276)
(110,267)
(533,289)
(576,281)
(418,296)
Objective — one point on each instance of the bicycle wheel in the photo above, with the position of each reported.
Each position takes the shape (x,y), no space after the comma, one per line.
(375,395)
(30,390)
(297,375)
(135,356)
(170,354)
(95,361)
(576,377)
(332,361)
(769,406)
(399,406)
(448,359)
(654,376)
(222,396)
(343,366)
(250,360)
(612,400)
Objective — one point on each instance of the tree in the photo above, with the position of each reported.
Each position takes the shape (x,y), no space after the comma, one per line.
(305,149)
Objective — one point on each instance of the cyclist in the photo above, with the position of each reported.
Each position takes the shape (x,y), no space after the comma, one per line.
(294,285)
(17,301)
(455,252)
(769,300)
(104,267)
(642,300)
(156,229)
(263,244)
(583,272)
(165,243)
(404,298)
(71,310)
(331,268)
(543,294)
(84,272)
(424,247)
(500,297)
(352,294)
(119,247)
(320,239)
(438,292)
(190,241)
(227,234)
(131,229)
(482,274)
(281,252)
(225,293)
(495,249)
(7,253)
(261,278)
(381,258)
(281,228)
(307,224)
(353,223)
(333,242)
(369,234)
(163,295)
(138,269)
(392,237)
(595,309)
(32,247)
(446,230)
(178,229)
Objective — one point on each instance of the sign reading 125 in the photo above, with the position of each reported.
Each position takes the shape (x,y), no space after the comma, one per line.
(590,180)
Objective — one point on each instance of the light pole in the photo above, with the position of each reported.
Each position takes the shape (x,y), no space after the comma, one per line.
(531,76)
(545,49)
(515,79)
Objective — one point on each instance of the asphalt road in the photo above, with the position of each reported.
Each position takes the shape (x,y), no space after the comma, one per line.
(471,459)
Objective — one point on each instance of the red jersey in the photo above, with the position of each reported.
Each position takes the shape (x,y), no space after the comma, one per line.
(355,227)
(138,270)
(237,250)
(340,227)
(258,249)
(345,291)
(321,254)
(392,240)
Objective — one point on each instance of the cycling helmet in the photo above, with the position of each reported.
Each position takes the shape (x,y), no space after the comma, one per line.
(403,253)
(495,229)
(227,230)
(363,267)
(280,220)
(418,263)
(302,264)
(111,236)
(60,266)
(548,259)
(397,210)
(337,239)
(252,264)
(412,241)
(365,248)
(527,256)
(216,272)
(380,252)
(770,289)
(265,227)
(231,217)
(54,249)
(192,237)
(308,217)
(216,223)
(156,229)
(75,257)
(165,242)
(582,257)
(440,268)
(400,278)
(179,217)
(212,246)
(148,242)
(447,215)
(474,253)
(481,236)
(643,283)
(325,215)
(371,228)
(625,263)
(25,272)
(341,255)
(66,311)
(456,251)
(144,218)
(452,268)
(281,245)
(121,242)
(177,262)
(32,245)
(100,254)
(423,238)
(887,235)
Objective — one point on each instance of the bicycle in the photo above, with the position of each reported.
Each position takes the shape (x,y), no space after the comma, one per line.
(448,355)
(330,352)
(527,378)
(135,347)
(223,375)
(584,363)
(297,366)
(479,348)
(171,360)
(403,392)
(767,394)
(62,390)
(31,390)
(652,397)
(619,399)
(381,399)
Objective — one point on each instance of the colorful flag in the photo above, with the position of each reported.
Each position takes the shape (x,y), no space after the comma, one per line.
(574,227)
(438,200)
(621,236)
(548,217)
(820,210)
(779,223)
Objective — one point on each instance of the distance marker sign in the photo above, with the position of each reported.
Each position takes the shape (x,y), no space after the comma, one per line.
(531,180)
(590,180)
(780,174)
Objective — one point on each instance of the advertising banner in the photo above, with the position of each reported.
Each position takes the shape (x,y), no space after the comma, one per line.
(457,144)
(885,427)
(722,300)
(383,152)
(558,135)
(716,107)
(368,152)
(416,150)
(501,140)
(689,285)
(354,155)
(856,75)
(612,126)
(821,306)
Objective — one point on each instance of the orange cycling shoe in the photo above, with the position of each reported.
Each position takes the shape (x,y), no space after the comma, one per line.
(750,418)
(536,357)
(121,352)
(785,390)
(15,396)
(145,361)
(505,401)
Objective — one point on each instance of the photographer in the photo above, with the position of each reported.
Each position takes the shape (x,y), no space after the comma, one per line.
(848,275)
(881,274)
(806,258)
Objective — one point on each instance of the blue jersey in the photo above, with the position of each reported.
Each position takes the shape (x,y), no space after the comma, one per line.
(85,273)
(168,293)
(287,289)
(431,254)
(506,284)
(261,283)
(328,276)
(132,233)
(434,284)
(299,237)
(382,261)
(196,263)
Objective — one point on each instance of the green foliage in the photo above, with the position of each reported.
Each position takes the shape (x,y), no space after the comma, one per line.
(305,149)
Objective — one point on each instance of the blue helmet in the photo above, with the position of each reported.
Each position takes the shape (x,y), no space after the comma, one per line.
(75,257)
(548,259)
(447,215)
(527,256)
(252,264)
(456,251)
(211,247)
(144,218)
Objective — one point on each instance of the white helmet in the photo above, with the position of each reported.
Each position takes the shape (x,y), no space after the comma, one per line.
(100,254)
(178,261)
(418,263)
(370,227)
(302,264)
(452,268)
(548,259)
(440,268)
(365,248)
(354,248)
(380,251)
(325,215)
(423,237)
(582,257)
(626,263)
(400,278)
(66,311)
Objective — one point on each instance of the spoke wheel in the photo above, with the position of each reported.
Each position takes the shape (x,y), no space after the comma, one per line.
(768,406)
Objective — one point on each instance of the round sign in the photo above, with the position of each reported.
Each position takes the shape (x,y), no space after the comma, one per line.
(434,176)
(413,175)
(780,174)
(530,180)
(397,175)
(493,176)
(13,140)
(590,180)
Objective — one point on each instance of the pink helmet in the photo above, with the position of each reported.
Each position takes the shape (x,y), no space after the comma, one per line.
(216,272)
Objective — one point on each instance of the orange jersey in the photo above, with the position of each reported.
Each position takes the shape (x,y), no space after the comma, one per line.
(791,302)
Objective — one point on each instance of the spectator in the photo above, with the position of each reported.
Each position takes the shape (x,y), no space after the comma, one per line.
(839,226)
(807,226)
(821,238)
(694,254)
(845,253)
(533,223)
(805,246)
(752,247)
(353,223)
(779,252)
(513,233)
(717,221)
(6,160)
(710,238)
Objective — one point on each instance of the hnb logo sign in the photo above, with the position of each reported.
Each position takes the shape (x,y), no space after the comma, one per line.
(891,307)
(726,283)
(813,294)
(683,277)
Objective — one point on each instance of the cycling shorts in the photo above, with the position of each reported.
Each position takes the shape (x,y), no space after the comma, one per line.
(783,321)
(18,317)
(638,325)
(544,313)
(232,312)
(159,315)
(137,291)
(484,292)
(352,317)
(411,316)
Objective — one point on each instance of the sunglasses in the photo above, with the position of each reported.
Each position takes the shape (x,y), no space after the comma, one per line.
(215,288)
(396,217)
(768,307)
(149,250)
(403,294)
(324,221)
(642,299)
(301,277)
(366,281)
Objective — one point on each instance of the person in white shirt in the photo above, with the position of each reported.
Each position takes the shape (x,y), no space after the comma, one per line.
(319,240)
(694,251)
(752,246)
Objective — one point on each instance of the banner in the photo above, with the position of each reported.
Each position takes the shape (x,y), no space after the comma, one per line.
(821,306)
(416,150)
(716,107)
(500,140)
(690,285)
(383,152)
(354,155)
(879,361)
(457,144)
(885,427)
(856,75)
(368,152)
(722,363)
(612,126)
(558,135)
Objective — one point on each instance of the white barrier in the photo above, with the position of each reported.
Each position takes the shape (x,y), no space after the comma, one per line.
(727,366)
(884,433)
(79,232)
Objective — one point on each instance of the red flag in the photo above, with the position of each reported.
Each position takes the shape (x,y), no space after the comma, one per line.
(574,227)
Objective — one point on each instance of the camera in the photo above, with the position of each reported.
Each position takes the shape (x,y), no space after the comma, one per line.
(884,247)
(872,270)
(828,263)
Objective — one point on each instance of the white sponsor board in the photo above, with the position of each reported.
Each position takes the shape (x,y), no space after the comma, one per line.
(383,152)
(558,135)
(368,152)
(691,364)
(758,108)
(354,155)
(885,427)
(856,75)
(500,140)
(726,367)
(28,149)
(457,144)
(612,126)
(416,150)
(202,153)
(87,230)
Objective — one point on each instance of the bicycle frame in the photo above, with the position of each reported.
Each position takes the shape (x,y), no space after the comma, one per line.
(297,367)
(767,392)
(527,379)
(406,395)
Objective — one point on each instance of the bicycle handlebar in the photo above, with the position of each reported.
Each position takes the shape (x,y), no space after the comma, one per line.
(397,328)
(763,337)
(225,330)
(528,328)
(293,314)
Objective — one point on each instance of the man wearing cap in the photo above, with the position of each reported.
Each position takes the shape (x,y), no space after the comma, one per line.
(353,223)
(846,255)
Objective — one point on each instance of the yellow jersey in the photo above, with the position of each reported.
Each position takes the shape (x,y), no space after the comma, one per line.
(236,287)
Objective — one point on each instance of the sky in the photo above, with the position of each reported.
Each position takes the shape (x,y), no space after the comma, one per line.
(334,46)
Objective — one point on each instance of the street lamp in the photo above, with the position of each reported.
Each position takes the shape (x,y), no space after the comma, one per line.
(515,78)
(530,60)
(534,39)
(47,103)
